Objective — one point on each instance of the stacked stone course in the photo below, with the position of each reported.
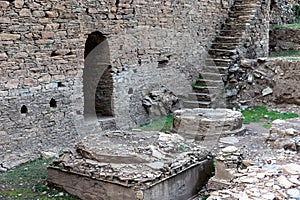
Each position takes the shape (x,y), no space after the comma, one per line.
(42,58)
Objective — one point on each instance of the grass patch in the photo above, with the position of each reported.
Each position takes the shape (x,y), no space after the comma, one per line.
(163,124)
(198,85)
(288,26)
(268,126)
(28,181)
(288,53)
(261,112)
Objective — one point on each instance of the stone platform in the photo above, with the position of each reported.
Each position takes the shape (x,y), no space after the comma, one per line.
(132,165)
(206,123)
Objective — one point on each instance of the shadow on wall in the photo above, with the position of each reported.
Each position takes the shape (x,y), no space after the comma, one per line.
(97,78)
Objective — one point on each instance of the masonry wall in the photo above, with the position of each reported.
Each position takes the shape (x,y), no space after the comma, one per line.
(151,43)
(256,39)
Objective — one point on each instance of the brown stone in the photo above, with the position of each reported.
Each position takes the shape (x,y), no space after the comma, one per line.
(4,4)
(7,36)
(47,35)
(29,81)
(25,13)
(38,13)
(5,20)
(12,83)
(19,3)
(59,77)
(3,56)
(21,55)
(45,79)
(52,14)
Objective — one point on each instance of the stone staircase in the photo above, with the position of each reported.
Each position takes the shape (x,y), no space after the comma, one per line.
(209,89)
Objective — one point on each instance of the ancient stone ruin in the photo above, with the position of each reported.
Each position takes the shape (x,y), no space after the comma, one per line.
(133,165)
(90,72)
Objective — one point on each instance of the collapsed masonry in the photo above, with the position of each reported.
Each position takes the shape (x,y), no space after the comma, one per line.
(146,165)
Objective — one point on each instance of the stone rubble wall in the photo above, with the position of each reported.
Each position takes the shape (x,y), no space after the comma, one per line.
(256,39)
(281,11)
(151,43)
(269,81)
(282,39)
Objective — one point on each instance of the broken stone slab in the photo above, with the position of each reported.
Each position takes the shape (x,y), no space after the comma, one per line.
(203,123)
(156,164)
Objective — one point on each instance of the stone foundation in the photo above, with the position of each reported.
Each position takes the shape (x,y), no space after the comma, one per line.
(202,123)
(132,165)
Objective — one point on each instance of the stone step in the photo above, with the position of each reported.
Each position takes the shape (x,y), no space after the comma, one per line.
(218,62)
(196,104)
(229,46)
(212,76)
(208,89)
(237,15)
(232,33)
(207,82)
(233,26)
(227,39)
(222,70)
(222,52)
(244,7)
(239,19)
(200,96)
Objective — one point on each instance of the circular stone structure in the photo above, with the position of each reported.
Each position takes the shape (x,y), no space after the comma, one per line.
(206,123)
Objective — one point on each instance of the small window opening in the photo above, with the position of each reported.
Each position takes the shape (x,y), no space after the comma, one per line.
(162,63)
(54,54)
(24,109)
(60,84)
(53,103)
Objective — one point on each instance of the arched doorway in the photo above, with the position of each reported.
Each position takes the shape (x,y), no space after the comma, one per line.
(97,77)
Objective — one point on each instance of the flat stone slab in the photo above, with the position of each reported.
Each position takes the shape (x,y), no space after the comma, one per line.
(132,165)
(204,123)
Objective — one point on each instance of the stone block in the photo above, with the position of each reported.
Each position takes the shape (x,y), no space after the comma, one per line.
(12,83)
(52,14)
(25,13)
(19,3)
(5,20)
(47,35)
(7,36)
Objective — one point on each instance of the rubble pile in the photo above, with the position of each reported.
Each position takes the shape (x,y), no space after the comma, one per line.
(131,159)
(285,134)
(227,163)
(276,177)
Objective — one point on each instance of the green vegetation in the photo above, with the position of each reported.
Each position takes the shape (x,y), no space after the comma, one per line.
(28,181)
(268,126)
(294,23)
(261,112)
(288,53)
(163,124)
(198,85)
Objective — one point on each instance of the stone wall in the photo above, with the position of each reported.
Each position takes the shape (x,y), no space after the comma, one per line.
(282,39)
(269,81)
(256,40)
(150,43)
(282,11)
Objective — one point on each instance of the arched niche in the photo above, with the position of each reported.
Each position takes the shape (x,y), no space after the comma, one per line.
(97,77)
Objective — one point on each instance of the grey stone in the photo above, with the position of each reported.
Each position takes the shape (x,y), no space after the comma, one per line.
(267,91)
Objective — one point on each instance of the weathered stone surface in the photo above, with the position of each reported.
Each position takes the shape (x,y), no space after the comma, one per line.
(105,159)
(201,123)
(161,103)
(284,134)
